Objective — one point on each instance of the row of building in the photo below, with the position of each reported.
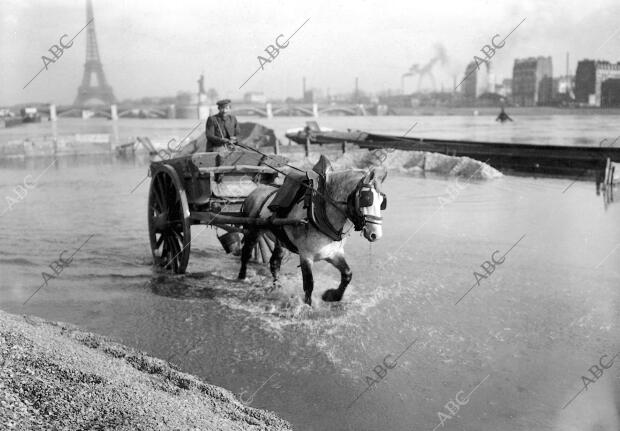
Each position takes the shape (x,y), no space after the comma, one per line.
(595,83)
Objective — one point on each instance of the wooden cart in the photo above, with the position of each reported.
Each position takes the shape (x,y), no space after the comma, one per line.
(208,189)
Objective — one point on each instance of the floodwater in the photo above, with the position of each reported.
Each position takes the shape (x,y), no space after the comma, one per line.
(518,342)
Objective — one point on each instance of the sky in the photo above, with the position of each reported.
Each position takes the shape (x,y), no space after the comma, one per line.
(157,48)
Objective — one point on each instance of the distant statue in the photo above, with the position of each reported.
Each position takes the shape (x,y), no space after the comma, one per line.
(201,84)
(503,117)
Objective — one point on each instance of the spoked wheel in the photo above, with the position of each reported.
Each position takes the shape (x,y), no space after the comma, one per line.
(169,222)
(263,249)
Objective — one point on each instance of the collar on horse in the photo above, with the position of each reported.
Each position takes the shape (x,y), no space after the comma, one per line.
(316,200)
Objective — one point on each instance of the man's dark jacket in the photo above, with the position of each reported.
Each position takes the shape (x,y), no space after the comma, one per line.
(218,129)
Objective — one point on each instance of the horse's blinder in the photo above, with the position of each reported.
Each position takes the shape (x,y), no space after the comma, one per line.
(362,198)
(352,211)
(366,199)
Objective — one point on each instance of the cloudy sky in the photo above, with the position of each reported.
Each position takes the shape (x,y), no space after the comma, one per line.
(156,47)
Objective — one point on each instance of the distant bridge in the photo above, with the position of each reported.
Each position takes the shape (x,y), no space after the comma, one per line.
(297,109)
(107,111)
(267,110)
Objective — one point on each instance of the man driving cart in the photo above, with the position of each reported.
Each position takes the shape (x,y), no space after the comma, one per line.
(222,129)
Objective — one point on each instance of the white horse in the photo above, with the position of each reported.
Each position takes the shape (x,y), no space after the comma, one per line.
(341,201)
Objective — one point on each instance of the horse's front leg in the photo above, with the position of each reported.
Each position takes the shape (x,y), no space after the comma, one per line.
(339,262)
(306,273)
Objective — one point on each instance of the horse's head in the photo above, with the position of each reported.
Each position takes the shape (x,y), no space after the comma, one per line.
(365,204)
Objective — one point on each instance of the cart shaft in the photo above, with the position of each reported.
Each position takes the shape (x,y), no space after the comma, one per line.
(208,217)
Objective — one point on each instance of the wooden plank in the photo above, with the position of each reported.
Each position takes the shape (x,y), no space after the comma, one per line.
(204,160)
(231,158)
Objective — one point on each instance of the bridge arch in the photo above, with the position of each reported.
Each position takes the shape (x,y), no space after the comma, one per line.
(249,111)
(142,113)
(100,113)
(291,109)
(347,110)
(71,112)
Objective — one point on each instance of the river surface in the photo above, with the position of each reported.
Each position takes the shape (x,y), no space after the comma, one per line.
(409,334)
(587,130)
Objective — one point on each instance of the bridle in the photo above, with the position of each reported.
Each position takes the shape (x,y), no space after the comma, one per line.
(360,198)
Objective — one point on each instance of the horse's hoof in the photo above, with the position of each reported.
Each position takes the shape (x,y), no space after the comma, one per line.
(331,295)
(308,300)
(273,287)
(241,277)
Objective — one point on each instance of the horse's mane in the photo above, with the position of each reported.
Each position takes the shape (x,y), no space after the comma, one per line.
(341,183)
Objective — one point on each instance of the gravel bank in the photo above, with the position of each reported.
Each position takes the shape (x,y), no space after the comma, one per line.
(54,376)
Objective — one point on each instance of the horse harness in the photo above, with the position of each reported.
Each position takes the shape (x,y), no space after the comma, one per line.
(316,201)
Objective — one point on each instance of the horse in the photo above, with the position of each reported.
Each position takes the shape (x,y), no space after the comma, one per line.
(343,200)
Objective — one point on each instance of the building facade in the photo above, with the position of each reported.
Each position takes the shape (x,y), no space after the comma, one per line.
(532,81)
(505,88)
(313,95)
(589,79)
(254,97)
(564,85)
(610,93)
(478,81)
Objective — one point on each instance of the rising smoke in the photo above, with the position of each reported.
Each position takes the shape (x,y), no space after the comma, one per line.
(425,72)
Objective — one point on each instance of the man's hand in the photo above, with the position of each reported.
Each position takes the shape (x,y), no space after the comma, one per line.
(233,140)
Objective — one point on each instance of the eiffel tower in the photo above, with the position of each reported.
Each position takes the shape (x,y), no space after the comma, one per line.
(87,92)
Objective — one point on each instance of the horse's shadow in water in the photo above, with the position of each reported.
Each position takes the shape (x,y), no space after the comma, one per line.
(183,286)
(208,286)
(280,302)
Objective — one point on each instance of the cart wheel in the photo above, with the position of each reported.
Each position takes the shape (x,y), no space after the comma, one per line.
(169,222)
(263,249)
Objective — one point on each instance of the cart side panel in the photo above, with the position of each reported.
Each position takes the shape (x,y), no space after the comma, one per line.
(232,158)
(202,186)
(205,160)
(234,185)
(197,186)
(240,158)
(199,190)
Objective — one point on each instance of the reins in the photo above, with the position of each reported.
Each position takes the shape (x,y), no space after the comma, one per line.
(358,222)
(327,198)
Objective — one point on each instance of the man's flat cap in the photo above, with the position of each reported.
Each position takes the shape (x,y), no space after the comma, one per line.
(223,102)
